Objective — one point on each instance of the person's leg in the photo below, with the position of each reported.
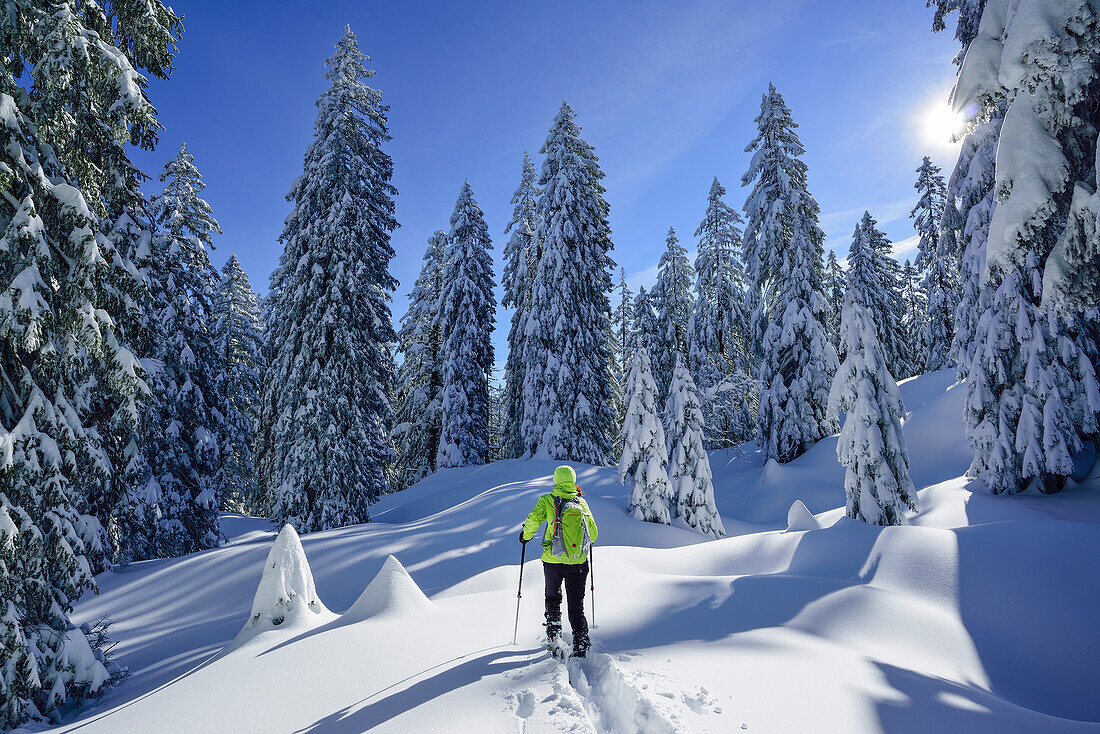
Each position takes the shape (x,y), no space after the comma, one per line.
(552,574)
(574,592)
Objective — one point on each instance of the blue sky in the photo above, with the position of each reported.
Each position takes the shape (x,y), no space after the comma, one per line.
(665,91)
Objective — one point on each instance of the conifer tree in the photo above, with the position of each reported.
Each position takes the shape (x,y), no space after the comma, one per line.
(719,349)
(834,298)
(882,285)
(964,227)
(936,261)
(674,304)
(568,392)
(238,342)
(521,256)
(467,315)
(329,326)
(914,323)
(689,467)
(871,443)
(1028,400)
(184,423)
(644,460)
(419,402)
(928,212)
(623,319)
(784,249)
(72,96)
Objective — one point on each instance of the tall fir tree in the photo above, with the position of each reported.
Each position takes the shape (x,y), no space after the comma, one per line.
(622,324)
(623,319)
(883,301)
(784,250)
(689,466)
(719,351)
(72,96)
(330,330)
(467,316)
(674,303)
(871,444)
(238,343)
(835,281)
(928,212)
(184,423)
(419,402)
(521,257)
(937,262)
(964,227)
(914,322)
(568,395)
(1029,400)
(644,460)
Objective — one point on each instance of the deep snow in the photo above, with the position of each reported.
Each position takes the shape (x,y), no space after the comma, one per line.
(979,617)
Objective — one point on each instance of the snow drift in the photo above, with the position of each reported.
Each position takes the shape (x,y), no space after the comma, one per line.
(286,592)
(841,628)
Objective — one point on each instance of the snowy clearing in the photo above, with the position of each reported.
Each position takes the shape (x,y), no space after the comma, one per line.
(979,617)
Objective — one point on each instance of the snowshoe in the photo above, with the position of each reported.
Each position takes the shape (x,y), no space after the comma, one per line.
(580,647)
(555,643)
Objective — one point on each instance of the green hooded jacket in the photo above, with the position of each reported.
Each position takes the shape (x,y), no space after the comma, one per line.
(565,487)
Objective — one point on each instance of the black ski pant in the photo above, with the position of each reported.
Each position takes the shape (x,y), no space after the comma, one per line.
(574,576)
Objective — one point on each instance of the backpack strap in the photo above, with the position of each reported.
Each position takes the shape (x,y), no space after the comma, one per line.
(557,514)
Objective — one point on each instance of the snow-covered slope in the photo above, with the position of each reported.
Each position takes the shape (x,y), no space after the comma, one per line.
(980,617)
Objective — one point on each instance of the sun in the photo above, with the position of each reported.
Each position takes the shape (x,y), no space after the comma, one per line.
(940,124)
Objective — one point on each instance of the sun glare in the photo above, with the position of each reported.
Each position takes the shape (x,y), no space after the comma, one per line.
(940,123)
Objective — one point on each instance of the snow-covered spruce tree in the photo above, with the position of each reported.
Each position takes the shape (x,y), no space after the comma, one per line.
(1027,408)
(497,443)
(467,316)
(784,249)
(914,322)
(964,227)
(419,402)
(623,322)
(521,256)
(835,280)
(884,300)
(645,329)
(238,341)
(689,467)
(674,303)
(928,212)
(937,263)
(644,460)
(184,422)
(718,338)
(329,326)
(871,443)
(568,393)
(71,99)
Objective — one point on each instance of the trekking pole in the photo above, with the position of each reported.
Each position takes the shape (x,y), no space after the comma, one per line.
(519,593)
(592,581)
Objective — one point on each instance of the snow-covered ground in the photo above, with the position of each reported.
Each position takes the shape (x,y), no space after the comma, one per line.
(979,617)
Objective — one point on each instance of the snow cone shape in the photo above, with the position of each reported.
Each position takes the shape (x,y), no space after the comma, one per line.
(800,518)
(392,592)
(286,590)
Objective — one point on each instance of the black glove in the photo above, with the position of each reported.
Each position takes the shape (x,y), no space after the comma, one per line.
(521,538)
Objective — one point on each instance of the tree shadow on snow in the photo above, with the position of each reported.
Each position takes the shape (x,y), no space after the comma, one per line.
(934,704)
(353,719)
(825,561)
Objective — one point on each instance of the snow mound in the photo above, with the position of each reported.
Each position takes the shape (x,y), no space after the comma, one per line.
(391,592)
(800,518)
(286,591)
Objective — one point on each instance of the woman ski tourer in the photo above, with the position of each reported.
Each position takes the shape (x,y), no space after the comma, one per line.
(570,532)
